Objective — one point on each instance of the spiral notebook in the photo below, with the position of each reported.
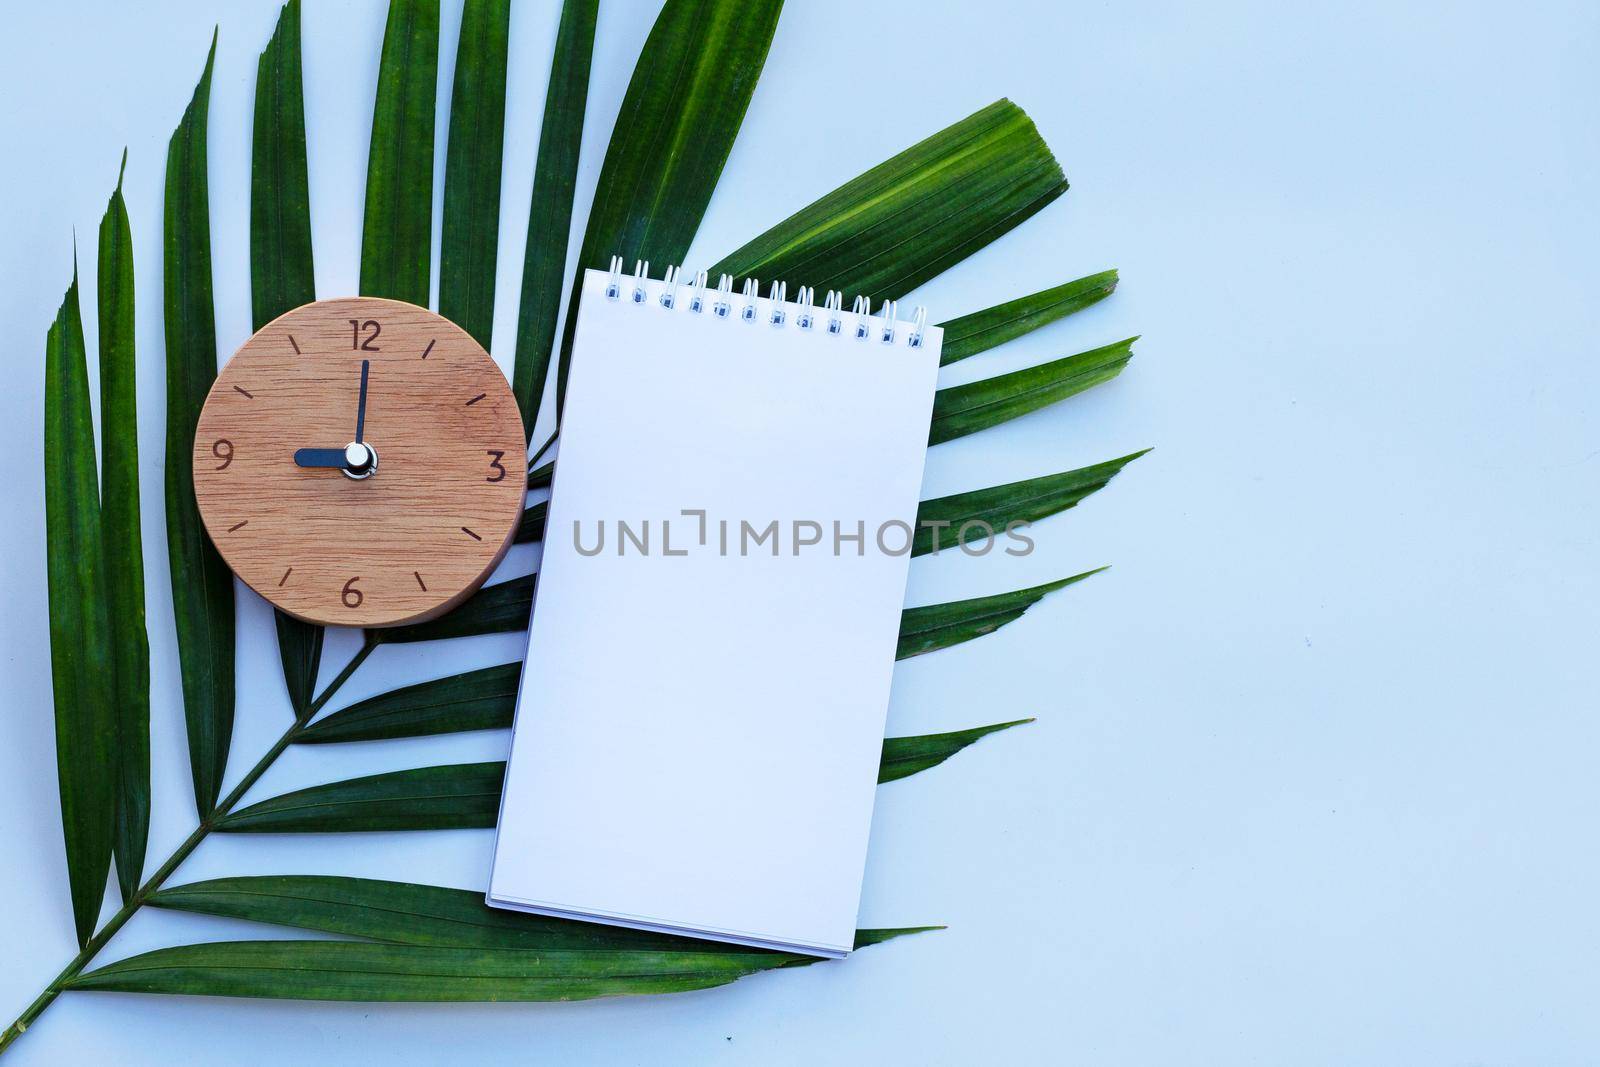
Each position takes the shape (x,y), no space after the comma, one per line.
(702,707)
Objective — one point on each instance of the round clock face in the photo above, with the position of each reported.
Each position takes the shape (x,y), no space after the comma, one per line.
(360,462)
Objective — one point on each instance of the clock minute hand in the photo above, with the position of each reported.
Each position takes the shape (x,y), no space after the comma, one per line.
(361,402)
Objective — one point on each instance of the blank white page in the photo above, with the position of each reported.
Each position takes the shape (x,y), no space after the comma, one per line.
(698,733)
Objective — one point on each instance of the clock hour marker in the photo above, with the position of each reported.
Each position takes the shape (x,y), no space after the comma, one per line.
(418,576)
(237,526)
(285,577)
(241,392)
(475,399)
(470,534)
(294,344)
(425,351)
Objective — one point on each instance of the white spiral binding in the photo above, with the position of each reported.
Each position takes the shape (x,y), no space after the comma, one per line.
(919,325)
(777,296)
(835,306)
(862,310)
(805,316)
(752,290)
(669,295)
(802,311)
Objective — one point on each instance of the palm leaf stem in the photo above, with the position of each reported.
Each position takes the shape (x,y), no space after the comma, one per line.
(142,895)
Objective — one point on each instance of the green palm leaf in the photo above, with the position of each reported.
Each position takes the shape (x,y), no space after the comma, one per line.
(484,699)
(905,756)
(963,409)
(202,587)
(937,626)
(300,650)
(453,797)
(464,796)
(354,970)
(124,546)
(532,524)
(555,173)
(282,269)
(910,218)
(983,330)
(941,522)
(405,913)
(472,169)
(282,275)
(81,657)
(678,121)
(494,609)
(397,234)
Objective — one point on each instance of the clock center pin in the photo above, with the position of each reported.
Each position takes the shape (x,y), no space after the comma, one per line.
(360,460)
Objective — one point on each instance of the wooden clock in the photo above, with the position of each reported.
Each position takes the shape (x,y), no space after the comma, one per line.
(361,462)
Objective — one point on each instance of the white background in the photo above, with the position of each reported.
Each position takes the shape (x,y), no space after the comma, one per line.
(1314,773)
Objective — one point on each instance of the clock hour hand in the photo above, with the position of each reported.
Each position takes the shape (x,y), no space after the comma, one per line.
(357,460)
(319,457)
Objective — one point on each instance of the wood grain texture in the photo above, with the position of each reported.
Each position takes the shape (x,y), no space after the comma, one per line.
(417,537)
